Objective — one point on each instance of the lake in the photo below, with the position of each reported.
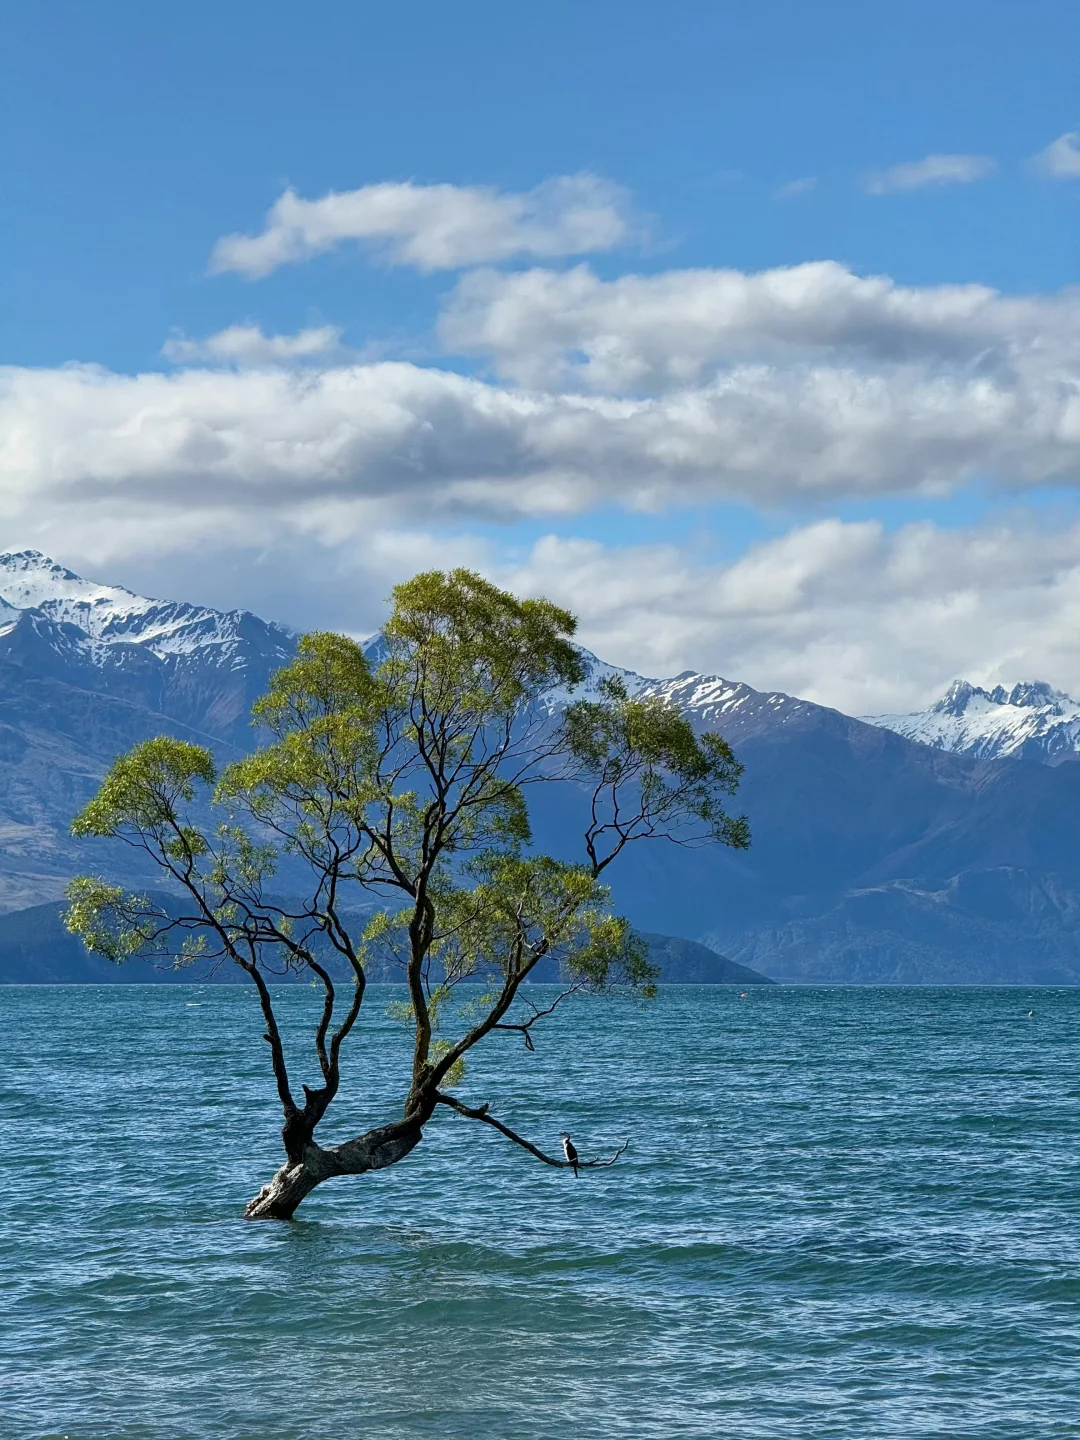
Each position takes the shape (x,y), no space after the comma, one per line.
(847,1214)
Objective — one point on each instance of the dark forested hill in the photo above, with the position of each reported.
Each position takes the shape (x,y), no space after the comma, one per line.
(36,949)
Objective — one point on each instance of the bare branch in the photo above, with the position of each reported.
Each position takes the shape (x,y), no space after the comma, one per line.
(481,1113)
(524,1026)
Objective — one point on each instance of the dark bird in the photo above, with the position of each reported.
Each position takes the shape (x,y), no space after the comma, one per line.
(570,1153)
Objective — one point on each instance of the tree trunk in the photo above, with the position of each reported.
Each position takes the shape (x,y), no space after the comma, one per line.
(296,1179)
(278,1199)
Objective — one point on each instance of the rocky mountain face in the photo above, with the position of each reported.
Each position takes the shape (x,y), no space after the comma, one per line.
(1030,720)
(877,857)
(88,670)
(201,667)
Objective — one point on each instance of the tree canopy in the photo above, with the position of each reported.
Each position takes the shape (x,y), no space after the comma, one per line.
(398,783)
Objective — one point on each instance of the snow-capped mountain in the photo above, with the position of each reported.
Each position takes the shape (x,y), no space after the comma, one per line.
(112,615)
(715,703)
(874,858)
(707,699)
(201,666)
(1031,721)
(164,652)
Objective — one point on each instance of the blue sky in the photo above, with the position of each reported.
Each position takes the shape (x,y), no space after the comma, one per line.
(140,135)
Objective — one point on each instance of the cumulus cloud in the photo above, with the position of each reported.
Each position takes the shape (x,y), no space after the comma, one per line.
(846,614)
(308,494)
(647,333)
(247,345)
(1061,158)
(275,448)
(843,613)
(434,227)
(284,472)
(934,170)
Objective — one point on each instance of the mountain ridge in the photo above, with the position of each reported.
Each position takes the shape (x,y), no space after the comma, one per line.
(1031,721)
(875,856)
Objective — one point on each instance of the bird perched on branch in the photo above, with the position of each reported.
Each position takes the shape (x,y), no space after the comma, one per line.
(570,1152)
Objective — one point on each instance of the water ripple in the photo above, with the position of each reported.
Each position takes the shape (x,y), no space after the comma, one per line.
(844,1214)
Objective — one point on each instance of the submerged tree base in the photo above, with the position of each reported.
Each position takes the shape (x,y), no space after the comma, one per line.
(278,1199)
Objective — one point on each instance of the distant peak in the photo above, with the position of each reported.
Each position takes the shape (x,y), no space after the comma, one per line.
(1028,694)
(23,560)
(956,698)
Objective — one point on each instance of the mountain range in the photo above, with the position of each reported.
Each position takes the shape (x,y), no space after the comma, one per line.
(1030,720)
(934,848)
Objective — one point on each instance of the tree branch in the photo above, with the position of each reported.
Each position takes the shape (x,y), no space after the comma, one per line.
(481,1113)
(524,1026)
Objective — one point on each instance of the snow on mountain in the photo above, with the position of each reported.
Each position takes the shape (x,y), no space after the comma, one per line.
(118,634)
(110,614)
(1030,720)
(707,699)
(596,671)
(201,667)
(710,699)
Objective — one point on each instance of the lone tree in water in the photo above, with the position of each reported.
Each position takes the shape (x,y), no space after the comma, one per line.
(404,783)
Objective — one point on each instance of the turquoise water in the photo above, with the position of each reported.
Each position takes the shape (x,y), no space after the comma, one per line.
(846,1214)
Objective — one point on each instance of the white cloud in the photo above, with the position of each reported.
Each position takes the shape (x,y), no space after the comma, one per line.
(843,613)
(794,188)
(270,450)
(846,614)
(934,170)
(306,495)
(648,333)
(1061,158)
(435,227)
(247,345)
(307,489)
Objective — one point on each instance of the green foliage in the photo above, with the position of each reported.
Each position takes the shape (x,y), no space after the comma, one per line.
(454,1074)
(474,648)
(323,711)
(145,789)
(404,782)
(329,676)
(107,920)
(526,908)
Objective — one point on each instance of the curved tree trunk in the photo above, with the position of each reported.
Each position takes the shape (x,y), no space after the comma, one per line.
(279,1198)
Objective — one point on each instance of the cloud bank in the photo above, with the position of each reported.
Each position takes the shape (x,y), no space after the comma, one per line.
(648,333)
(847,614)
(278,442)
(283,472)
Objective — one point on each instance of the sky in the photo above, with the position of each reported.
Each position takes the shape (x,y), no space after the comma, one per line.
(747,331)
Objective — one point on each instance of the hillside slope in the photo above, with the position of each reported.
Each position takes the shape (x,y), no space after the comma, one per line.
(36,949)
